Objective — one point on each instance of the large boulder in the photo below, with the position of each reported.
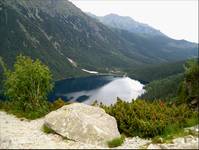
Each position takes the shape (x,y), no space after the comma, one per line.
(83,123)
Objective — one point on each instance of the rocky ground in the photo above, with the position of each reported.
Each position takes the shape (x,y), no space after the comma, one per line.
(187,142)
(19,133)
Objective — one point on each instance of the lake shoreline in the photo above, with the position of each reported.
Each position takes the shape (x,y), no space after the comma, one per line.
(97,87)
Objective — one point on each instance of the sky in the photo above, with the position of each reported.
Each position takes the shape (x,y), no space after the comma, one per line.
(176,18)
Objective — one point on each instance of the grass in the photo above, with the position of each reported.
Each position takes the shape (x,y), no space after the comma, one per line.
(12,108)
(172,132)
(30,115)
(47,130)
(116,142)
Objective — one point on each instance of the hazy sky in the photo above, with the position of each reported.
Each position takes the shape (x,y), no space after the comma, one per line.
(176,18)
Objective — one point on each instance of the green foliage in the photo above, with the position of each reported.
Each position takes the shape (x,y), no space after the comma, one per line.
(3,65)
(58,104)
(11,108)
(150,119)
(27,86)
(165,89)
(189,89)
(47,130)
(116,142)
(180,88)
(157,71)
(104,51)
(157,139)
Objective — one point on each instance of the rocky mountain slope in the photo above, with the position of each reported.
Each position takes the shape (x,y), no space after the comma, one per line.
(58,33)
(155,43)
(127,23)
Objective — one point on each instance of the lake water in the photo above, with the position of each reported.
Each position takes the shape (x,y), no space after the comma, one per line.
(104,89)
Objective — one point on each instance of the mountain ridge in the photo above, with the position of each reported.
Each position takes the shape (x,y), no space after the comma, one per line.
(112,21)
(126,23)
(64,31)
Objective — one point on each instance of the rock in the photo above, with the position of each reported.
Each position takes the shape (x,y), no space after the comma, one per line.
(163,146)
(83,123)
(153,146)
(159,140)
(134,143)
(193,129)
(188,138)
(179,141)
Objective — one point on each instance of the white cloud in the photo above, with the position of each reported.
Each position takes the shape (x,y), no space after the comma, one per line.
(177,19)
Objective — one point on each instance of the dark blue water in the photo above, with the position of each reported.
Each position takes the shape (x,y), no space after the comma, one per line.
(66,86)
(104,89)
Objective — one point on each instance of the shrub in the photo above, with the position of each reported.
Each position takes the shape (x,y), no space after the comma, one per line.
(27,87)
(47,130)
(189,88)
(149,119)
(116,142)
(157,139)
(57,104)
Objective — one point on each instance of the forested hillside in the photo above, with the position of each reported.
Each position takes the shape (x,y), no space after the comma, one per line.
(182,88)
(57,32)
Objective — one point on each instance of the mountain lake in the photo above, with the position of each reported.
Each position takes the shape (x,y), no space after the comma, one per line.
(104,89)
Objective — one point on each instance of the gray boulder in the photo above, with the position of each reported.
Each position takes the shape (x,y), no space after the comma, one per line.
(83,123)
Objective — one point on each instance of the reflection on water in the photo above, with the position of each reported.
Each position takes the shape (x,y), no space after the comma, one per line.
(104,89)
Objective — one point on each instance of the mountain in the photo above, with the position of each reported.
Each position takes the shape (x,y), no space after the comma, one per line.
(127,23)
(71,43)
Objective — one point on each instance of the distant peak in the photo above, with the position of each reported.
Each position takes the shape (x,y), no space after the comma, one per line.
(116,15)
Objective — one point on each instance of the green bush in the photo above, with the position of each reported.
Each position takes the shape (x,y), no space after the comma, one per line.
(27,87)
(47,130)
(10,108)
(189,88)
(149,119)
(57,104)
(116,142)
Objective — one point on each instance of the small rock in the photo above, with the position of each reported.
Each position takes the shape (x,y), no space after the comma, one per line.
(153,146)
(188,138)
(163,146)
(179,141)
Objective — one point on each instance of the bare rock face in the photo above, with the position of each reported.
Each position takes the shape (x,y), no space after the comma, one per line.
(83,123)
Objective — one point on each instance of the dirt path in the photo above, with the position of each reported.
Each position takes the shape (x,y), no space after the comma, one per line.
(23,134)
(15,133)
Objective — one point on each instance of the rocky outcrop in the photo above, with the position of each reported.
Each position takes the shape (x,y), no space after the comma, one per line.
(83,123)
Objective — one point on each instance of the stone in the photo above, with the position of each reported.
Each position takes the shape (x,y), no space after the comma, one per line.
(194,129)
(153,146)
(179,141)
(83,123)
(188,138)
(163,146)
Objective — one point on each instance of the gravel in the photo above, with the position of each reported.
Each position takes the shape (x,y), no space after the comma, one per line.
(23,134)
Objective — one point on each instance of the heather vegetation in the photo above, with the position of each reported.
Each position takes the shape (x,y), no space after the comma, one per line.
(150,119)
(164,115)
